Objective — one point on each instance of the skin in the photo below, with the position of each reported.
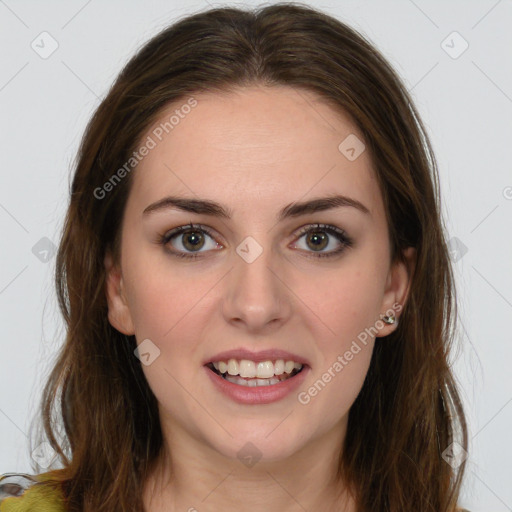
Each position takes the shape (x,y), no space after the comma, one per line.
(255,151)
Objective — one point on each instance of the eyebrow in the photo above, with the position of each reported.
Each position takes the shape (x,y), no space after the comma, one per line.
(207,207)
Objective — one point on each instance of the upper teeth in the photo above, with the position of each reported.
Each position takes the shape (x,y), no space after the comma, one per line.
(250,369)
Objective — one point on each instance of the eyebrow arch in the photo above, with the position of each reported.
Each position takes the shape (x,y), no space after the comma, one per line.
(207,207)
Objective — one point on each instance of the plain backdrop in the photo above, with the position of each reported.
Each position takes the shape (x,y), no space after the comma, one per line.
(456,59)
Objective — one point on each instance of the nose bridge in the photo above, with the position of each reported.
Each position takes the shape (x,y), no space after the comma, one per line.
(256,294)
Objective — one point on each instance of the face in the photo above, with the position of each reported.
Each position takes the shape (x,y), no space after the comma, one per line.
(262,277)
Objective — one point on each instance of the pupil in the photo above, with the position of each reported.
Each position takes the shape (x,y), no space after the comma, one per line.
(192,240)
(319,240)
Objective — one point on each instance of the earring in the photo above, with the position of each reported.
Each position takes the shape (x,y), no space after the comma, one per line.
(391,319)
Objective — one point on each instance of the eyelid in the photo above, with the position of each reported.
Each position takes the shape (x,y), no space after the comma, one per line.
(319,226)
(343,238)
(170,233)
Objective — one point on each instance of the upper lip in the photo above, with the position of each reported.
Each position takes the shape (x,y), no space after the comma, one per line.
(263,355)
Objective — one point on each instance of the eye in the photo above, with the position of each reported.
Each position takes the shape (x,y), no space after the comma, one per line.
(189,238)
(188,241)
(320,236)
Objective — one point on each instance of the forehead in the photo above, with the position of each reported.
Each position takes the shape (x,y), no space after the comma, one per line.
(253,144)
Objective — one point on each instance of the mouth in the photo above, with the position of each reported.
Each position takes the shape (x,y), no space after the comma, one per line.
(256,374)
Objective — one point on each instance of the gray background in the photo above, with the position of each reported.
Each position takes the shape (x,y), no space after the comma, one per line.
(465,99)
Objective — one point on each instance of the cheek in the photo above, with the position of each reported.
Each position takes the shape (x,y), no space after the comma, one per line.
(171,308)
(334,390)
(346,302)
(336,382)
(160,298)
(166,309)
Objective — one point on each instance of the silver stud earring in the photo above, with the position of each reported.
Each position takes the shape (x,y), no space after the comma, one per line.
(389,319)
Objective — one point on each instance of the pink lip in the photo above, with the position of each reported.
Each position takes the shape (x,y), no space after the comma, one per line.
(263,355)
(260,394)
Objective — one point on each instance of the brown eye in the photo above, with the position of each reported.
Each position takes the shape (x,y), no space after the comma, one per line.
(318,240)
(321,236)
(192,240)
(187,241)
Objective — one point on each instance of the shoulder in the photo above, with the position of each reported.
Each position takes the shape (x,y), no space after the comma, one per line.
(19,492)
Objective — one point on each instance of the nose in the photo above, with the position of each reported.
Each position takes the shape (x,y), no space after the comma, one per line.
(256,297)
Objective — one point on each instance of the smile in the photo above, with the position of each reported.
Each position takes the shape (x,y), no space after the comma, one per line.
(255,374)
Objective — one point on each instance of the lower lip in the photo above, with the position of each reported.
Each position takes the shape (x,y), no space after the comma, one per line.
(258,394)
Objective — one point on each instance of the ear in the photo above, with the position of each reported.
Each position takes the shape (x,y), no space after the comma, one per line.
(118,312)
(397,289)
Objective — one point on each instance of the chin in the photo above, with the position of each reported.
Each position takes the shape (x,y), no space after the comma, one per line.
(251,446)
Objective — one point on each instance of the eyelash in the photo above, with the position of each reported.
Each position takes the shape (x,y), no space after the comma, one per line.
(342,237)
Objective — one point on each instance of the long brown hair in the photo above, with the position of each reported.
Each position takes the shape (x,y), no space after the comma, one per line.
(408,411)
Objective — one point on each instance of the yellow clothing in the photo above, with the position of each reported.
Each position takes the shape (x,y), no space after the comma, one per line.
(19,494)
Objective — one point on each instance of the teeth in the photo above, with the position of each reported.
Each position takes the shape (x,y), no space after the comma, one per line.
(233,367)
(253,382)
(279,367)
(252,370)
(265,369)
(247,368)
(288,366)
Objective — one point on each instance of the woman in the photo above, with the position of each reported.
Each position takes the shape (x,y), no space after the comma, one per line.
(257,289)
